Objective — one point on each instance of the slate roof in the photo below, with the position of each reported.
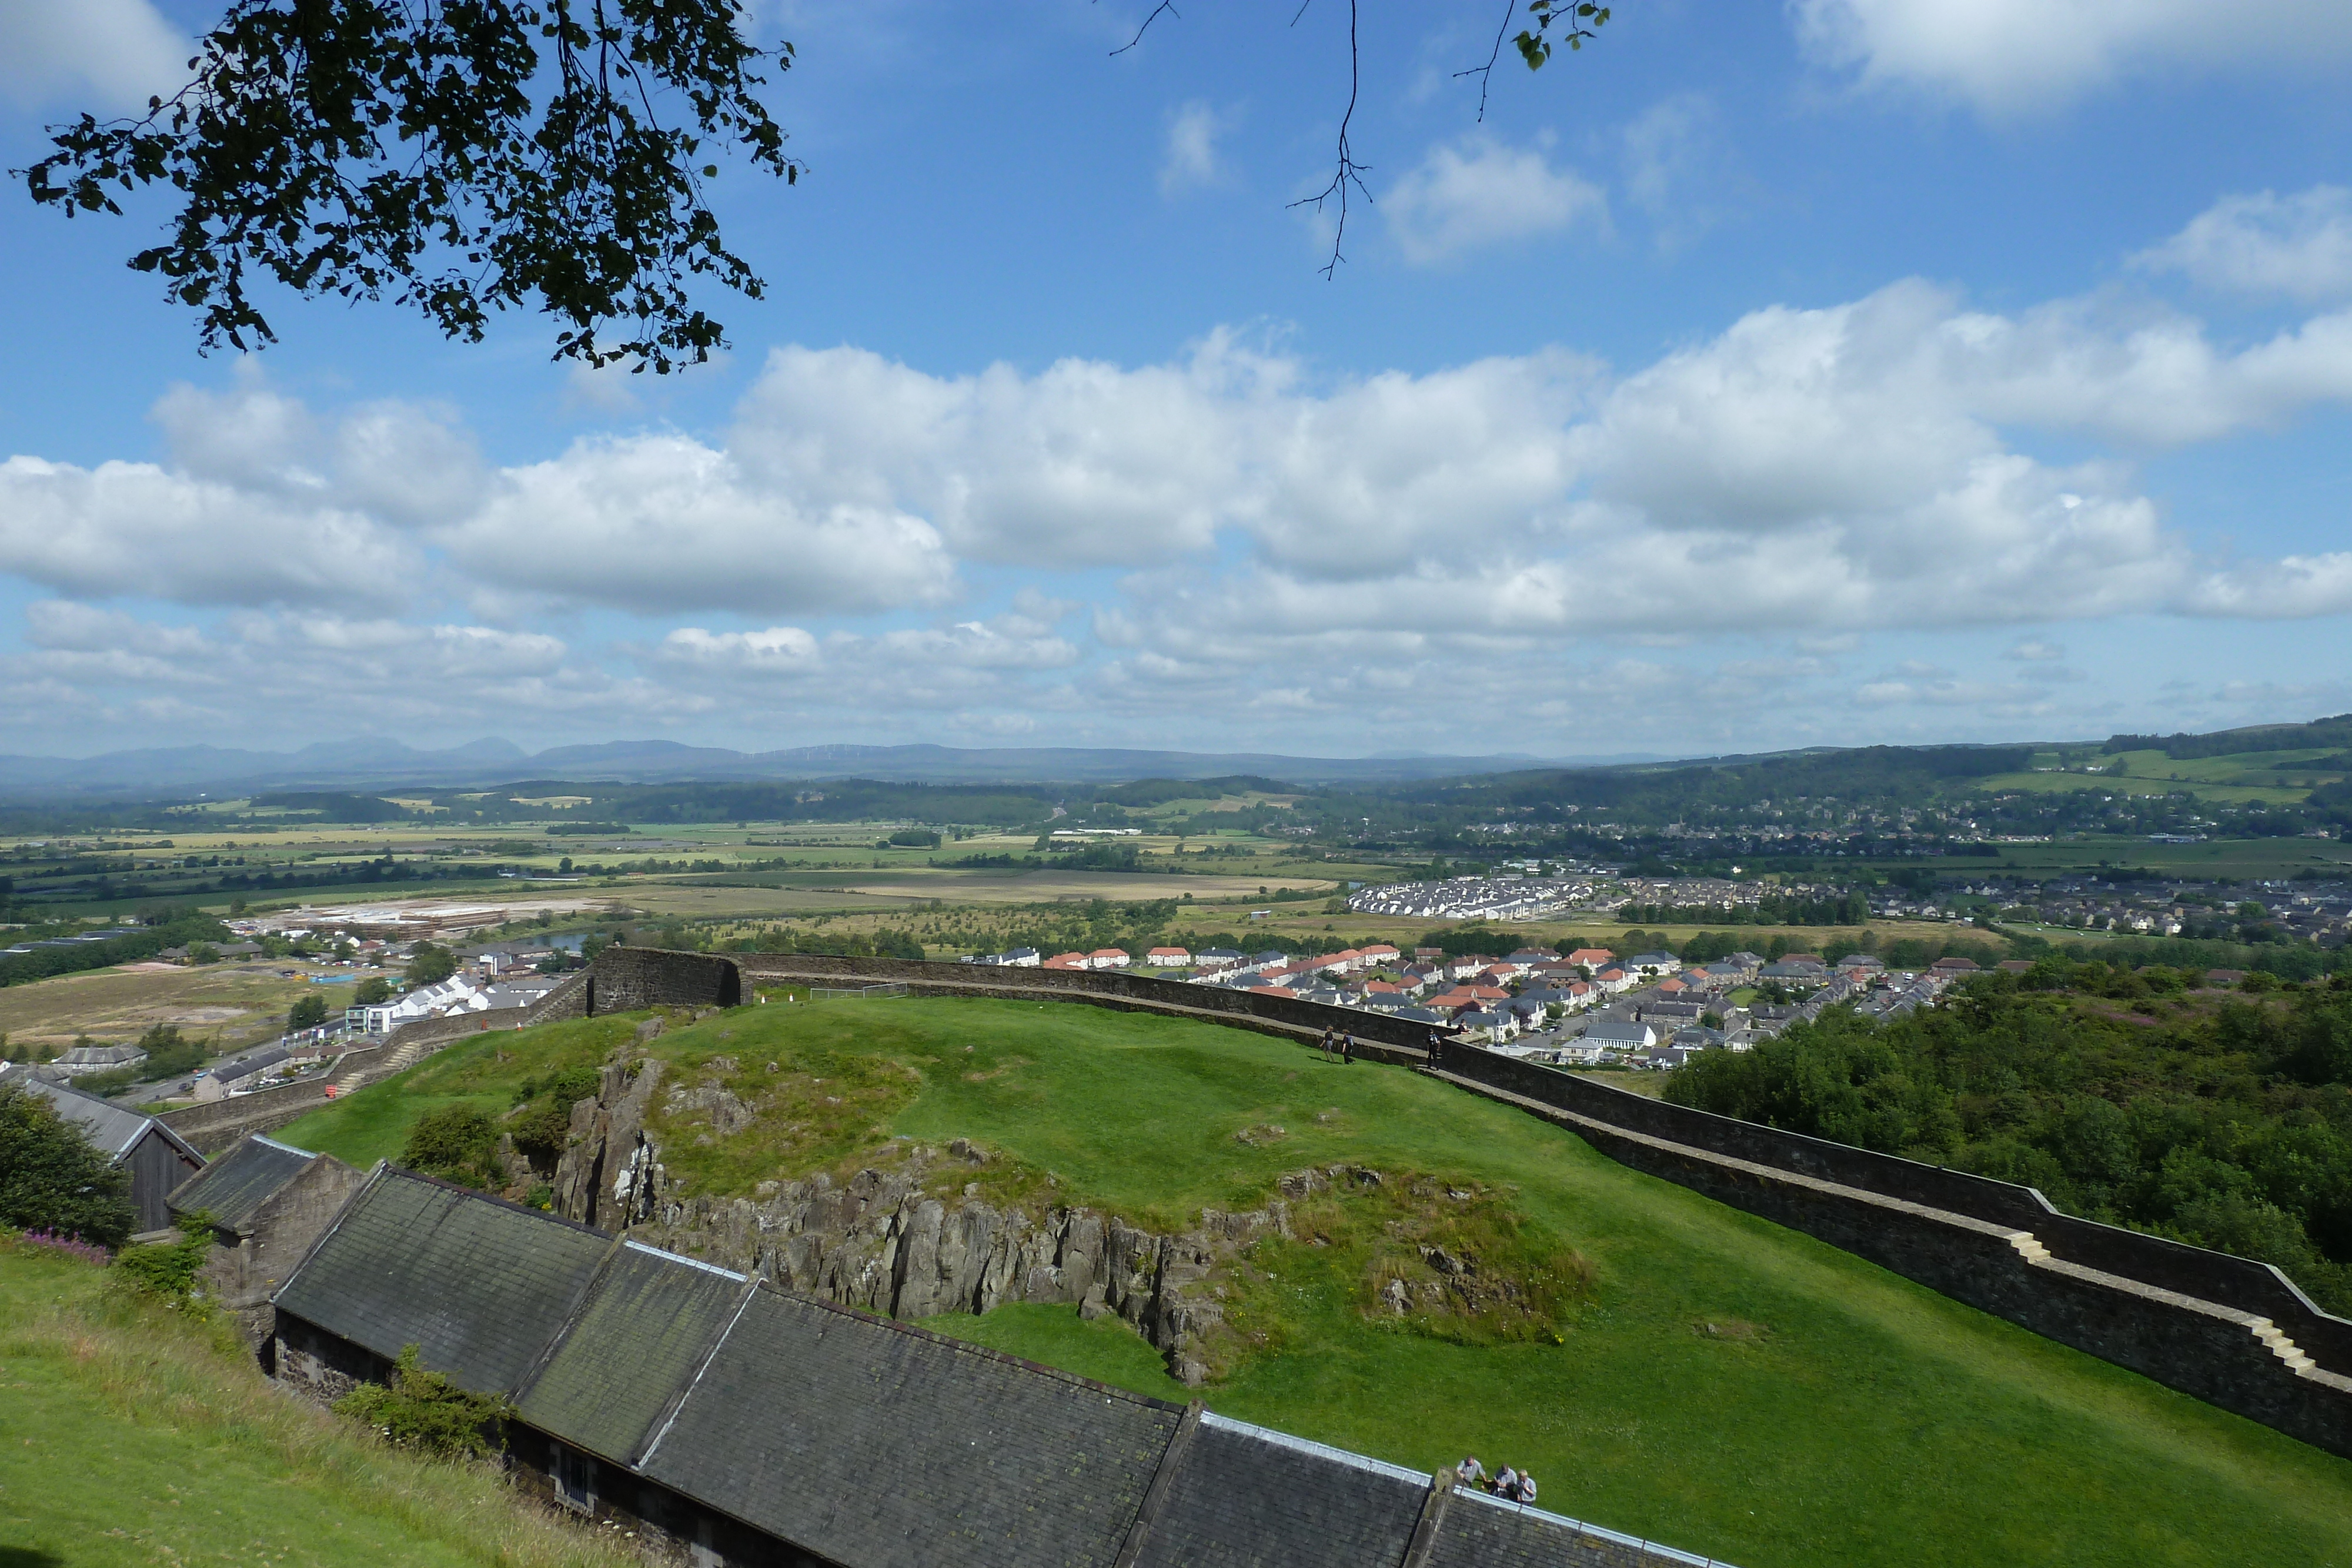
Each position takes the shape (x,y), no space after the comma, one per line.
(240,1181)
(111,1130)
(880,1447)
(1246,1497)
(649,1322)
(479,1286)
(869,1443)
(1483,1532)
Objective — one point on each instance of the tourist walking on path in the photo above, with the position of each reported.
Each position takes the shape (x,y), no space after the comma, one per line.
(1347,1048)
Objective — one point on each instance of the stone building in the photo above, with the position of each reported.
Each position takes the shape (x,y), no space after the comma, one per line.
(734,1423)
(268,1201)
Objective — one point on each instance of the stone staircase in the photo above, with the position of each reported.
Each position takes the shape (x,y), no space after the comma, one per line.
(2273,1339)
(2283,1347)
(400,1059)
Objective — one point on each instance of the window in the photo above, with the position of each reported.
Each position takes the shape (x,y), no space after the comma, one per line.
(575,1480)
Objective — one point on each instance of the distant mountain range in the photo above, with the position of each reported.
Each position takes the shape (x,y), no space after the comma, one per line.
(379,764)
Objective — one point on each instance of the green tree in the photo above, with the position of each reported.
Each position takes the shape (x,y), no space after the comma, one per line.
(461,158)
(308,1012)
(52,1180)
(376,988)
(429,964)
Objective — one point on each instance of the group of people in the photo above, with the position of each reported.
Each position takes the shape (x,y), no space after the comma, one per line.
(1339,1043)
(1514,1486)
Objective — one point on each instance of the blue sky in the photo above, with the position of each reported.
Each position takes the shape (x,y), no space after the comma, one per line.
(1849,371)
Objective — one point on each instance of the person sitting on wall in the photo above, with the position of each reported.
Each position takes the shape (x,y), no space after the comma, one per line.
(1506,1482)
(1470,1472)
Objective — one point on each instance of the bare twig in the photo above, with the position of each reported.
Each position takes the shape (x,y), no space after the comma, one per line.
(1349,172)
(1486,73)
(1167,5)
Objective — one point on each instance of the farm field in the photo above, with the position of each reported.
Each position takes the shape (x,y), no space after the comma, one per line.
(129,1437)
(2276,778)
(241,1002)
(2242,859)
(1726,1386)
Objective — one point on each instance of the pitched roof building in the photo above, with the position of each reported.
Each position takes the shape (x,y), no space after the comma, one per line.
(737,1423)
(157,1158)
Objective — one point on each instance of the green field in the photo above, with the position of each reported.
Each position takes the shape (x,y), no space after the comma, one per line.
(130,1438)
(2273,778)
(1728,1386)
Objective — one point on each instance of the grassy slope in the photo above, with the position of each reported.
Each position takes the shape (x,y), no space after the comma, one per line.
(132,1438)
(368,1126)
(1851,1417)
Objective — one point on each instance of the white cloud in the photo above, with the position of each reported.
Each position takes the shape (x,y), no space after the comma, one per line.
(1191,159)
(139,529)
(1468,194)
(2293,587)
(2034,650)
(2299,246)
(1084,464)
(2010,56)
(664,524)
(116,52)
(1676,164)
(776,650)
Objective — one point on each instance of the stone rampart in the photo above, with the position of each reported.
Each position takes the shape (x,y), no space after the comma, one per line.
(216,1123)
(2256,1289)
(630,979)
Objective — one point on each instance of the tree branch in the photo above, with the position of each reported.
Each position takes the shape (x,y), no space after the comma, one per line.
(1167,5)
(1349,172)
(1486,73)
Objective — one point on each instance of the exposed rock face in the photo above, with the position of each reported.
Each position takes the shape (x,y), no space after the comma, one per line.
(607,1176)
(884,1242)
(906,1239)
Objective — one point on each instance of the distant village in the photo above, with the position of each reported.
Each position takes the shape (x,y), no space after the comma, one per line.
(1588,1007)
(487,977)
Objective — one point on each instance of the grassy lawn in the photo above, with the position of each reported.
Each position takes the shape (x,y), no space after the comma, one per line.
(130,1438)
(373,1124)
(1730,1386)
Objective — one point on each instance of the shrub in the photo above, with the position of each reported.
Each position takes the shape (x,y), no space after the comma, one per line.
(166,1271)
(425,1411)
(455,1142)
(540,1134)
(52,1180)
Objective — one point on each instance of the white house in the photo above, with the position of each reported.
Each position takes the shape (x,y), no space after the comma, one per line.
(453,995)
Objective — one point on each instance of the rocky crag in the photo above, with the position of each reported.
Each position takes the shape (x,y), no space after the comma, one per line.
(902,1239)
